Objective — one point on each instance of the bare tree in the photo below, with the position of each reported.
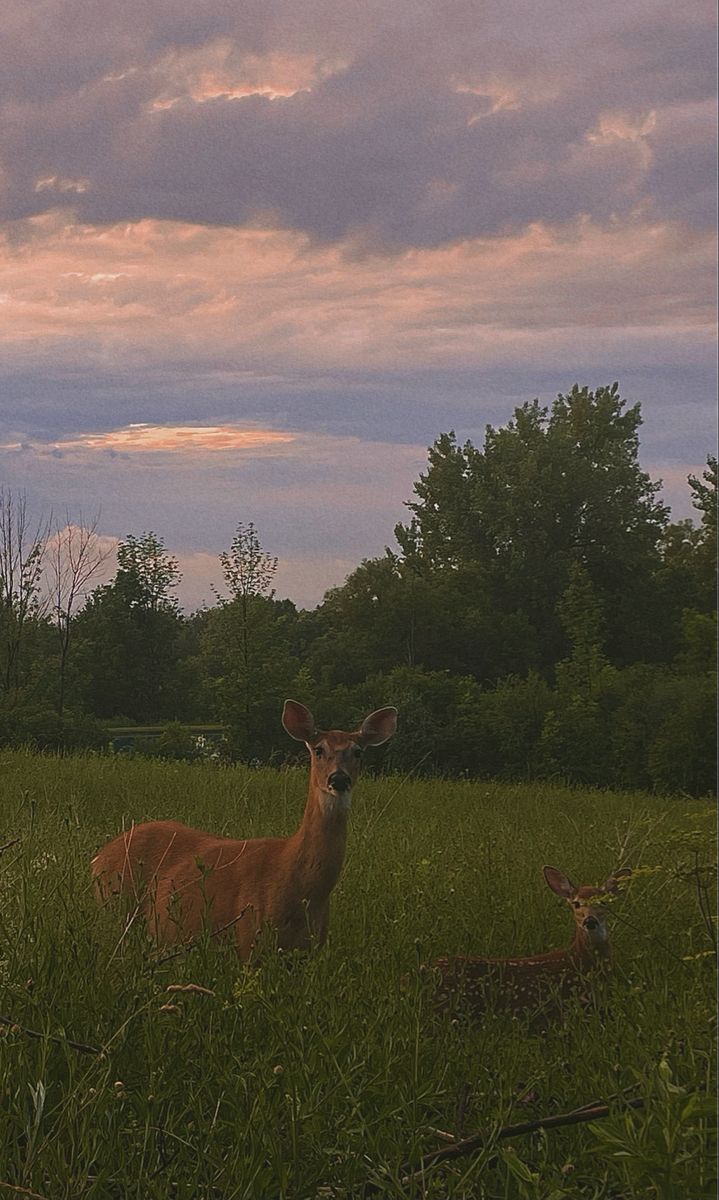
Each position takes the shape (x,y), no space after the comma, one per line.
(75,555)
(22,548)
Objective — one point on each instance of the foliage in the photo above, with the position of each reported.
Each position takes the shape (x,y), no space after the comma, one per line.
(128,635)
(328,1070)
(146,573)
(22,548)
(541,619)
(247,570)
(548,490)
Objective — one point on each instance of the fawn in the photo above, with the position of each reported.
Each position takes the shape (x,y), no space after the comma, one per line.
(184,880)
(534,984)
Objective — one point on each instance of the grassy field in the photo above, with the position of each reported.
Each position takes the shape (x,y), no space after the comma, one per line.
(327,1072)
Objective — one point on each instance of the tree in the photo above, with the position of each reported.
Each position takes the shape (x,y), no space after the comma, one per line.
(575,735)
(75,554)
(704,500)
(22,548)
(248,574)
(147,574)
(550,489)
(687,578)
(247,569)
(128,635)
(247,653)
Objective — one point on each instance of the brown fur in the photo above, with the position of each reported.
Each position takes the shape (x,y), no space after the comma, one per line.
(184,880)
(538,983)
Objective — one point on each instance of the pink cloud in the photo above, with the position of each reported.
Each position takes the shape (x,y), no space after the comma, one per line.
(263,300)
(144,438)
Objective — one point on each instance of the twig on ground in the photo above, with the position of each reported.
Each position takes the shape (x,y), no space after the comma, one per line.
(442,1133)
(21,1191)
(7,846)
(189,987)
(479,1140)
(80,1047)
(470,1145)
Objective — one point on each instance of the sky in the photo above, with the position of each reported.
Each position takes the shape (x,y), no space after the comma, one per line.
(255,257)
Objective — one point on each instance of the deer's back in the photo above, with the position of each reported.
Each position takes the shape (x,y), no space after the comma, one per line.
(185,878)
(516,985)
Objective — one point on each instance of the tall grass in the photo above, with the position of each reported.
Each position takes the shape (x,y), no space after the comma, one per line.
(326,1071)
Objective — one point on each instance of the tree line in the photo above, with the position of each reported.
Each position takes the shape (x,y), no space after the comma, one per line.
(539,617)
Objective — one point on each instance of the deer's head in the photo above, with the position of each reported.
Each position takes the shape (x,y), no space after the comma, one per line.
(336,756)
(590,915)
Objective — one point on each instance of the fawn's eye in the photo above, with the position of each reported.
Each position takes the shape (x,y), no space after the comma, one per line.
(319,751)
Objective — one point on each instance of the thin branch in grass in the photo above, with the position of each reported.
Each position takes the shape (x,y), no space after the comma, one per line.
(614,1096)
(140,898)
(442,1134)
(195,942)
(479,1141)
(454,1140)
(21,1191)
(80,1047)
(190,987)
(7,845)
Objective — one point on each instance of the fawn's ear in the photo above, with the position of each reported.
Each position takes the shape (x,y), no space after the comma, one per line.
(559,883)
(298,721)
(378,727)
(615,881)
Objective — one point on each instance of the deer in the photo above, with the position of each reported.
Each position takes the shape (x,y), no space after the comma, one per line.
(185,881)
(538,984)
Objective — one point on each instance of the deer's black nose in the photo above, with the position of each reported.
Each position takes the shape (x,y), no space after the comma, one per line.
(340,781)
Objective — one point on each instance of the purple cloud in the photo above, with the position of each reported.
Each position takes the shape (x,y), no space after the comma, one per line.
(414,127)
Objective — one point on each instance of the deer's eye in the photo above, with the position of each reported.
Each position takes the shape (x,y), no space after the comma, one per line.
(319,751)
(357,752)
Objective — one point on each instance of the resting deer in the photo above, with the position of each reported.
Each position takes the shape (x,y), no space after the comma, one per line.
(184,880)
(529,985)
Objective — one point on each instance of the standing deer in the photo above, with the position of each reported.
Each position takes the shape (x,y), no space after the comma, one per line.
(532,984)
(184,880)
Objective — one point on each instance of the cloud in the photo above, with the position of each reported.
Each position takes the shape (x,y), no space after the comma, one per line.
(153,439)
(267,303)
(320,503)
(254,257)
(391,126)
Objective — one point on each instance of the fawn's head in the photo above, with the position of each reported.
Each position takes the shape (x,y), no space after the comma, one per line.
(336,756)
(590,915)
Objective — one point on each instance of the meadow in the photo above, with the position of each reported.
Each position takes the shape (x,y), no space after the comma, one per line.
(326,1074)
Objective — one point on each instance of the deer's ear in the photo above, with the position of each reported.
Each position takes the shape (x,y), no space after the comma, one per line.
(298,721)
(378,727)
(615,881)
(559,883)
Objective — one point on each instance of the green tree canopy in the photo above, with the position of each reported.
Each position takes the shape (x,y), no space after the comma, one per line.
(550,489)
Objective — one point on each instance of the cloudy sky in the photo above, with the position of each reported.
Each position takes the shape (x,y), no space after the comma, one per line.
(255,256)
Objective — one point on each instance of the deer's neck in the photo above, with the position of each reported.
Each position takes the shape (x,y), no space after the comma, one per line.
(319,845)
(587,954)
